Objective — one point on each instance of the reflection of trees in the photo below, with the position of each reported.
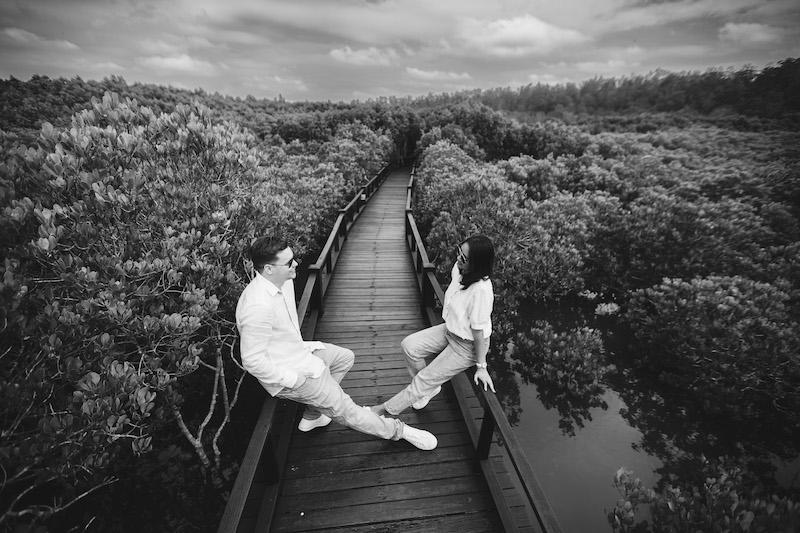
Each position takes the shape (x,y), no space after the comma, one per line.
(672,419)
(505,382)
(672,422)
(566,366)
(717,465)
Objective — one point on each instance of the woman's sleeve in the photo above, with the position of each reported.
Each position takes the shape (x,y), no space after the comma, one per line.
(480,316)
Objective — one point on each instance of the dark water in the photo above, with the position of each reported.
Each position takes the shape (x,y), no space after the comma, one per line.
(576,465)
(576,472)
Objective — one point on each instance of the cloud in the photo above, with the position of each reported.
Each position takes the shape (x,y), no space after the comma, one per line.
(662,13)
(437,75)
(365,57)
(108,65)
(180,63)
(750,33)
(519,36)
(291,82)
(26,38)
(159,47)
(388,23)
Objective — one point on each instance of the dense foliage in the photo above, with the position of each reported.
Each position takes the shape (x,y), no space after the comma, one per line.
(123,238)
(680,244)
(770,92)
(722,337)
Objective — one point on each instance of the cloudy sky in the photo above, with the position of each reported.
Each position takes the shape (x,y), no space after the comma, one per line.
(359,49)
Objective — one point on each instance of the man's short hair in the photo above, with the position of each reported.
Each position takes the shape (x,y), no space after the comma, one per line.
(264,250)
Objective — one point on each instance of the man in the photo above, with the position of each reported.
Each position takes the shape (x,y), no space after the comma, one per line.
(274,352)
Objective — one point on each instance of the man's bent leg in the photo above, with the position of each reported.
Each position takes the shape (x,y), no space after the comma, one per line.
(327,396)
(339,361)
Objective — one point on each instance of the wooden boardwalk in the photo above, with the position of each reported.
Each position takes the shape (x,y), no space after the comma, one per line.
(337,479)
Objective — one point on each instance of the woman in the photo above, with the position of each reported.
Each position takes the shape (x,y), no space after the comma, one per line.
(462,341)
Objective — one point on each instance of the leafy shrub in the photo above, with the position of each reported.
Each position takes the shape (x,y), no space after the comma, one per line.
(727,340)
(538,176)
(662,234)
(455,135)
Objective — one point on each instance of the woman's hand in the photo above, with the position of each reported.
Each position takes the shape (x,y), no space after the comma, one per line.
(482,376)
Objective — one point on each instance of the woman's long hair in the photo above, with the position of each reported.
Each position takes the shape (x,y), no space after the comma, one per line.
(480,260)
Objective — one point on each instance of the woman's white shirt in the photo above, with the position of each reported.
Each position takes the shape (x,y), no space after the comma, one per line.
(470,308)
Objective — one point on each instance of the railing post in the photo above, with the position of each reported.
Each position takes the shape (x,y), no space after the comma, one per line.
(485,437)
(316,292)
(342,236)
(427,288)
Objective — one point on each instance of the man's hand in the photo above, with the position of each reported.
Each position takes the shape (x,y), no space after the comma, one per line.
(482,376)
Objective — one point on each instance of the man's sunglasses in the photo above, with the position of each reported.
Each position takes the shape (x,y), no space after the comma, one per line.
(287,263)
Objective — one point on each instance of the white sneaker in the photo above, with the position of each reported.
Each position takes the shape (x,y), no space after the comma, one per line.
(424,440)
(308,425)
(420,404)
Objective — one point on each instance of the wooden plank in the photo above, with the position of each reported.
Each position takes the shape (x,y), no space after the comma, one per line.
(353,383)
(388,340)
(477,522)
(369,478)
(371,316)
(362,371)
(407,454)
(379,305)
(454,436)
(334,497)
(401,292)
(367,331)
(383,343)
(370,280)
(384,325)
(387,511)
(377,308)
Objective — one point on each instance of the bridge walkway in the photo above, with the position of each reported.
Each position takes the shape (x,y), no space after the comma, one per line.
(337,479)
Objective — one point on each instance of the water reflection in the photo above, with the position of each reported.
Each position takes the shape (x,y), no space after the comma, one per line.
(567,365)
(574,362)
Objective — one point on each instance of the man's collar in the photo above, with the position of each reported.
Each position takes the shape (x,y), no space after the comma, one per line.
(268,285)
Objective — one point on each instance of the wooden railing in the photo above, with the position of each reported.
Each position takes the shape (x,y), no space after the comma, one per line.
(494,418)
(269,442)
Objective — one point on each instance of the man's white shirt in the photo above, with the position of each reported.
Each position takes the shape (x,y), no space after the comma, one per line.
(272,347)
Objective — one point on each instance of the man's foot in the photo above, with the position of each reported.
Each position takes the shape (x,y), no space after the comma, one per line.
(308,425)
(424,440)
(421,403)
